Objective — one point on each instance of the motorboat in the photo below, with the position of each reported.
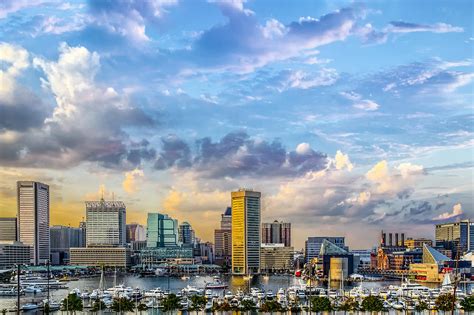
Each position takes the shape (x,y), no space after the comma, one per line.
(85,295)
(184,305)
(209,306)
(156,293)
(29,307)
(228,295)
(32,289)
(217,284)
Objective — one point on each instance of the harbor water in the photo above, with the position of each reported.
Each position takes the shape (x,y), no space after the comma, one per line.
(176,284)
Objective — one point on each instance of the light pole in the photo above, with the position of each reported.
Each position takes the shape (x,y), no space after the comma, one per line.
(18,289)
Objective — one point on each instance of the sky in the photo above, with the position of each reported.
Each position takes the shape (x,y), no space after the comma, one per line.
(349,117)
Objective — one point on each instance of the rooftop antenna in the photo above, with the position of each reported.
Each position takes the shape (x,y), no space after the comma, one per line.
(102,191)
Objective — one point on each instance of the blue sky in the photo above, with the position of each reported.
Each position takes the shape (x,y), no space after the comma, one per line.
(350,117)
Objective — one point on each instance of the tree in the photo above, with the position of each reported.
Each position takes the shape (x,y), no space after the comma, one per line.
(46,308)
(72,303)
(295,308)
(372,304)
(444,302)
(122,305)
(224,307)
(349,305)
(142,307)
(98,306)
(420,307)
(468,303)
(198,302)
(248,305)
(270,306)
(171,303)
(320,304)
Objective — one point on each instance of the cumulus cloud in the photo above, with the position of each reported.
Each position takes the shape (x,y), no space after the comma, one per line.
(129,18)
(236,154)
(392,181)
(457,211)
(130,183)
(342,161)
(228,46)
(15,60)
(88,121)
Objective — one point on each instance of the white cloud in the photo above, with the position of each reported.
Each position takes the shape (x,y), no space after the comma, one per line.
(367,105)
(342,161)
(71,79)
(130,183)
(273,29)
(14,60)
(303,148)
(457,211)
(303,80)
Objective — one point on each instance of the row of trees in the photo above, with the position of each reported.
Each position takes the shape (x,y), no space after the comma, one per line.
(444,302)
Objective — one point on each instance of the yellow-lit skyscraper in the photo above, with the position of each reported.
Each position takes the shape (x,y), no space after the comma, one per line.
(245,232)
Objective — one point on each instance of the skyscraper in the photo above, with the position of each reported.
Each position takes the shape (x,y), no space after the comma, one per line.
(33,219)
(276,233)
(186,234)
(223,239)
(8,230)
(245,231)
(105,223)
(162,231)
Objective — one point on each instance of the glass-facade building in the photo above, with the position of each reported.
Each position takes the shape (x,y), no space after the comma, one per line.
(33,219)
(186,234)
(313,245)
(162,231)
(245,232)
(454,236)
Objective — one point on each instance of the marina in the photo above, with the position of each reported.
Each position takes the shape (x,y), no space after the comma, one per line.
(219,293)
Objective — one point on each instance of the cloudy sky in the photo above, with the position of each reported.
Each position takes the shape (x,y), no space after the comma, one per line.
(348,117)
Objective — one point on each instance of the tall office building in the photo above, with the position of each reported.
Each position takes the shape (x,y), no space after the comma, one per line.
(33,219)
(186,234)
(453,236)
(105,223)
(135,233)
(245,231)
(8,230)
(162,231)
(223,239)
(313,245)
(276,233)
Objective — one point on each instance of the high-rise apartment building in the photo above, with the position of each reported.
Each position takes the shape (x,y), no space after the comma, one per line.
(8,230)
(276,233)
(105,223)
(245,231)
(33,219)
(186,234)
(162,231)
(223,239)
(313,245)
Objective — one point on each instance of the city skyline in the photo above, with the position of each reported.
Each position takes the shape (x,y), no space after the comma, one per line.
(349,118)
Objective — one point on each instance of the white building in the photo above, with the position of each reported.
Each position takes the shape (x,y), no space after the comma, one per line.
(105,223)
